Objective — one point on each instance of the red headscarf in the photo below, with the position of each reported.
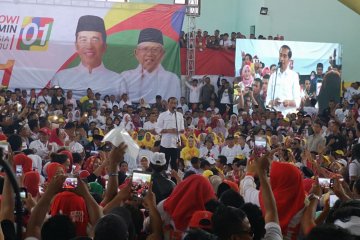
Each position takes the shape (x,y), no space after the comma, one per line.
(52,168)
(24,161)
(287,185)
(232,185)
(54,137)
(188,197)
(89,163)
(32,182)
(308,183)
(73,206)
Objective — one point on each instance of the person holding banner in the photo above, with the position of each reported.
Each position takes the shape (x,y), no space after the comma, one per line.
(150,79)
(283,93)
(91,46)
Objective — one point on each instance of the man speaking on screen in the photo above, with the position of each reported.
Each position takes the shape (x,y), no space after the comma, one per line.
(91,46)
(150,78)
(283,92)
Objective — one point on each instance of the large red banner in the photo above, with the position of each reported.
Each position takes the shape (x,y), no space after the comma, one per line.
(211,62)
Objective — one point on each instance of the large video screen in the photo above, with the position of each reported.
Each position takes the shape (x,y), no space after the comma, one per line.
(305,55)
(260,59)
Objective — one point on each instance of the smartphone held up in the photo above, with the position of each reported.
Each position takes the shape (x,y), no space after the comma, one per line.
(140,183)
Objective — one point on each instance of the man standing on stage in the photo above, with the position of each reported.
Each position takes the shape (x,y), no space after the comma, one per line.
(170,125)
(283,92)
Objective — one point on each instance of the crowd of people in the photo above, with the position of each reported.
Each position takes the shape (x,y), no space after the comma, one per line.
(219,41)
(211,176)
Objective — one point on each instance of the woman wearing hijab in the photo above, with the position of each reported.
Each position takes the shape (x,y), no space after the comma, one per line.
(24,161)
(57,137)
(190,151)
(220,127)
(201,128)
(95,169)
(234,125)
(289,195)
(188,197)
(32,182)
(127,123)
(246,77)
(148,141)
(53,169)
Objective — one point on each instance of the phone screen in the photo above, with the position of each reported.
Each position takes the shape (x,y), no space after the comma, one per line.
(19,170)
(140,183)
(23,193)
(324,182)
(333,199)
(260,142)
(260,145)
(70,183)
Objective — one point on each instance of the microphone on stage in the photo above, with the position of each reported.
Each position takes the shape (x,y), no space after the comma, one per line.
(279,64)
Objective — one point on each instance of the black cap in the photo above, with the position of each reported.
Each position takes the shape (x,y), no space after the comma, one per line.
(91,23)
(151,35)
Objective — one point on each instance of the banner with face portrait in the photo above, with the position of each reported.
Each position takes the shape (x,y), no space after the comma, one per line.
(126,48)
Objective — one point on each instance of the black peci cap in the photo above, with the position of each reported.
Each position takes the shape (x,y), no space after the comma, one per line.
(91,23)
(151,35)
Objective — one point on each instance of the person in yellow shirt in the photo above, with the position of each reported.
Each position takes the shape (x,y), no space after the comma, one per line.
(189,151)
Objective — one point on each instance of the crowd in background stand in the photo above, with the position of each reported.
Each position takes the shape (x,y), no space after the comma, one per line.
(219,41)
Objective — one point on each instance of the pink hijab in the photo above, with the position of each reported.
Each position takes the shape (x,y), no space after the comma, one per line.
(249,81)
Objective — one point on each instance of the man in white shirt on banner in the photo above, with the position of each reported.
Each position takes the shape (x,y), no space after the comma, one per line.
(170,125)
(150,78)
(91,46)
(283,92)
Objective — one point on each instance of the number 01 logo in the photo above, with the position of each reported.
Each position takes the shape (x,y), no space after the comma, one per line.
(35,34)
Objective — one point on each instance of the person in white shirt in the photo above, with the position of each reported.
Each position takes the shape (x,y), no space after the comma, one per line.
(244,147)
(110,104)
(44,98)
(195,89)
(231,150)
(150,78)
(42,147)
(127,123)
(95,117)
(352,91)
(226,42)
(124,101)
(209,150)
(151,124)
(170,125)
(342,112)
(91,46)
(70,99)
(183,104)
(284,92)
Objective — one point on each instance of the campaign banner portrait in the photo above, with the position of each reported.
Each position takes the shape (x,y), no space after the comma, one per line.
(126,48)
